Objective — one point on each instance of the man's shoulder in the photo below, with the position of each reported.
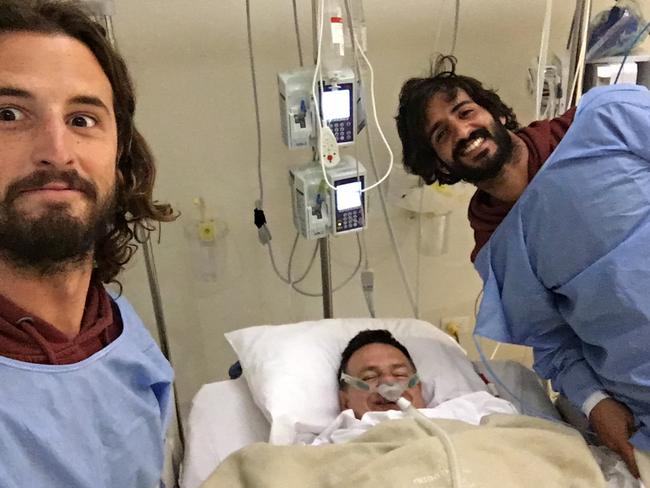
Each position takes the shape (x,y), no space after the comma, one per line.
(131,320)
(613,94)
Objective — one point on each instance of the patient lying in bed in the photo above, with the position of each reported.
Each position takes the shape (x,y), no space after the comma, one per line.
(496,448)
(373,358)
(503,452)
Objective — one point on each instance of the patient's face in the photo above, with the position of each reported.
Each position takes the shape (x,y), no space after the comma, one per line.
(378,362)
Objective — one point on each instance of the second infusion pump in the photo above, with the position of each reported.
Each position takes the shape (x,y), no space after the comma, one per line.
(339,107)
(318,210)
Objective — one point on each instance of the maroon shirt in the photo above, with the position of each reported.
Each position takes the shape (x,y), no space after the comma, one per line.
(27,338)
(541,137)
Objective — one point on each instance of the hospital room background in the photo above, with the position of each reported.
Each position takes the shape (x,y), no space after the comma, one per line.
(191,66)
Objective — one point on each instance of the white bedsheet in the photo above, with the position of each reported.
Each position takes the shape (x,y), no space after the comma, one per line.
(470,408)
(223,419)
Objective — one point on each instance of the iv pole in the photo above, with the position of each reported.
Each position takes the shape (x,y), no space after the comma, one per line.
(103,11)
(323,242)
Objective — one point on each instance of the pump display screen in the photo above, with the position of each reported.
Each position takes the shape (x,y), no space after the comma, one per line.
(348,196)
(336,105)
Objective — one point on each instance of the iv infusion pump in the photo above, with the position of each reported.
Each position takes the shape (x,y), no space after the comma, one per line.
(340,106)
(318,210)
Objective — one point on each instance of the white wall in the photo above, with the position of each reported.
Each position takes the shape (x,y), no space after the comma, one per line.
(189,59)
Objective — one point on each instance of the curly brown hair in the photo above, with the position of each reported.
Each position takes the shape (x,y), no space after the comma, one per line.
(417,154)
(135,169)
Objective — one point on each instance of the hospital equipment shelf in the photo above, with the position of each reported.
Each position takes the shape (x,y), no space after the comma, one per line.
(592,79)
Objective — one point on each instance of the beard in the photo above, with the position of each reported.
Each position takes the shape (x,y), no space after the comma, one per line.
(53,240)
(489,167)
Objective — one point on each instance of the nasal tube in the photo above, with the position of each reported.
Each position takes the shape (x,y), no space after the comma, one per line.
(407,407)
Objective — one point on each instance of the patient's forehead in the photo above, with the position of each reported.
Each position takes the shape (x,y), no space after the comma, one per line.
(377,355)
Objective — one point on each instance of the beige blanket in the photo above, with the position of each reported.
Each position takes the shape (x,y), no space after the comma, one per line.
(506,451)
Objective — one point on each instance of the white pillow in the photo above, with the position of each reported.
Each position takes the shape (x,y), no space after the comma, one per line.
(291,369)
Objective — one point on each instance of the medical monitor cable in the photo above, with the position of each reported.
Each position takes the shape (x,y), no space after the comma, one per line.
(456,25)
(344,282)
(259,218)
(367,274)
(391,231)
(293,250)
(264,233)
(297,28)
(289,280)
(368,279)
(309,265)
(454,36)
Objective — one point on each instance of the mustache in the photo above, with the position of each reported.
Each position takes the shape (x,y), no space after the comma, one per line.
(462,145)
(39,179)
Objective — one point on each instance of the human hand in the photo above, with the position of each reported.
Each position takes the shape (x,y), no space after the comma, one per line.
(614,424)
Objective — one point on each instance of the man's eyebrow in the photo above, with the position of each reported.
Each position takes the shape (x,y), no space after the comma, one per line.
(366,369)
(459,105)
(90,100)
(376,369)
(456,108)
(7,91)
(405,364)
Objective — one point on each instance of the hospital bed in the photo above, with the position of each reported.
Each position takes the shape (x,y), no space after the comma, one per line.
(224,416)
(227,416)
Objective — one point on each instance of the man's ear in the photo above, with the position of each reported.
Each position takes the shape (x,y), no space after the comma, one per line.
(503,120)
(343,400)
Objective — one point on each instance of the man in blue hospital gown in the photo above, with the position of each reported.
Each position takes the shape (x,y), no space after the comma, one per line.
(85,396)
(567,271)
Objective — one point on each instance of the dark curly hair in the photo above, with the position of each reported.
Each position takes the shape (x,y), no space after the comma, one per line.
(135,169)
(417,154)
(363,338)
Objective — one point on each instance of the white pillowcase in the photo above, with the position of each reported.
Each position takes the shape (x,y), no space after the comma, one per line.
(291,369)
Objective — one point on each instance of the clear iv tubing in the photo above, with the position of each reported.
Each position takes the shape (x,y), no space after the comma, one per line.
(406,407)
(372,95)
(530,410)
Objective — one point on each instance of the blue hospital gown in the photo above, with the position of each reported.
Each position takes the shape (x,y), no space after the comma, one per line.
(568,270)
(98,423)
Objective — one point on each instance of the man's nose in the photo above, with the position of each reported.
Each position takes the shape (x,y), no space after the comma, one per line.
(53,142)
(387,378)
(462,130)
